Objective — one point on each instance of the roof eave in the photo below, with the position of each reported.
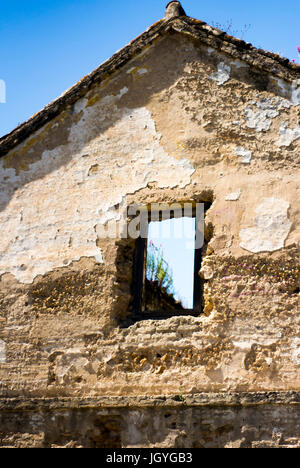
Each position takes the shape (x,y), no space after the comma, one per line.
(239,49)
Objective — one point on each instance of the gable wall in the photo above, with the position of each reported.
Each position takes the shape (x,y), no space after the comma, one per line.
(180,122)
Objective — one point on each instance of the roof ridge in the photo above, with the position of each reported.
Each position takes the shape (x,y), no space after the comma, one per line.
(244,44)
(259,58)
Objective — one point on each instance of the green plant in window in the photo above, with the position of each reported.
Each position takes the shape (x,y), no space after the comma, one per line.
(157,269)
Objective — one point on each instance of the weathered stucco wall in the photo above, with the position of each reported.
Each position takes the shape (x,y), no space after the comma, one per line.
(180,122)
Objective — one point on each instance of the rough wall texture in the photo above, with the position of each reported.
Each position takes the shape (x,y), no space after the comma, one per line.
(180,122)
(209,421)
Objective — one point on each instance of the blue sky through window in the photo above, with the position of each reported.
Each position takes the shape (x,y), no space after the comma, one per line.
(176,237)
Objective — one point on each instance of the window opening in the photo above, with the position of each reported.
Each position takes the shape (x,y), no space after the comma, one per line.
(167,262)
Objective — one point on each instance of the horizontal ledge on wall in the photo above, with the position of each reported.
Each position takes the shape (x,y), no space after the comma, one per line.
(234,399)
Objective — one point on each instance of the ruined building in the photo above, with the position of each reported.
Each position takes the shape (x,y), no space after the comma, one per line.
(184,113)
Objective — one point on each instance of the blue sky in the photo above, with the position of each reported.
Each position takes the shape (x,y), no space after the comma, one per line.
(46,46)
(176,238)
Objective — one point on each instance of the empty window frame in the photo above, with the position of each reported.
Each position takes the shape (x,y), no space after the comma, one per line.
(166,280)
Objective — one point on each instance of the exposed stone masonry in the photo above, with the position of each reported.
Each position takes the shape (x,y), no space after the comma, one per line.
(185,113)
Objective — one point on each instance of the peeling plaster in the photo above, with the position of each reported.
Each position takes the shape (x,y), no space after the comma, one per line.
(206,272)
(2,352)
(267,109)
(287,135)
(295,98)
(139,71)
(71,360)
(233,196)
(246,155)
(239,64)
(271,227)
(295,346)
(222,75)
(283,85)
(97,177)
(291,91)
